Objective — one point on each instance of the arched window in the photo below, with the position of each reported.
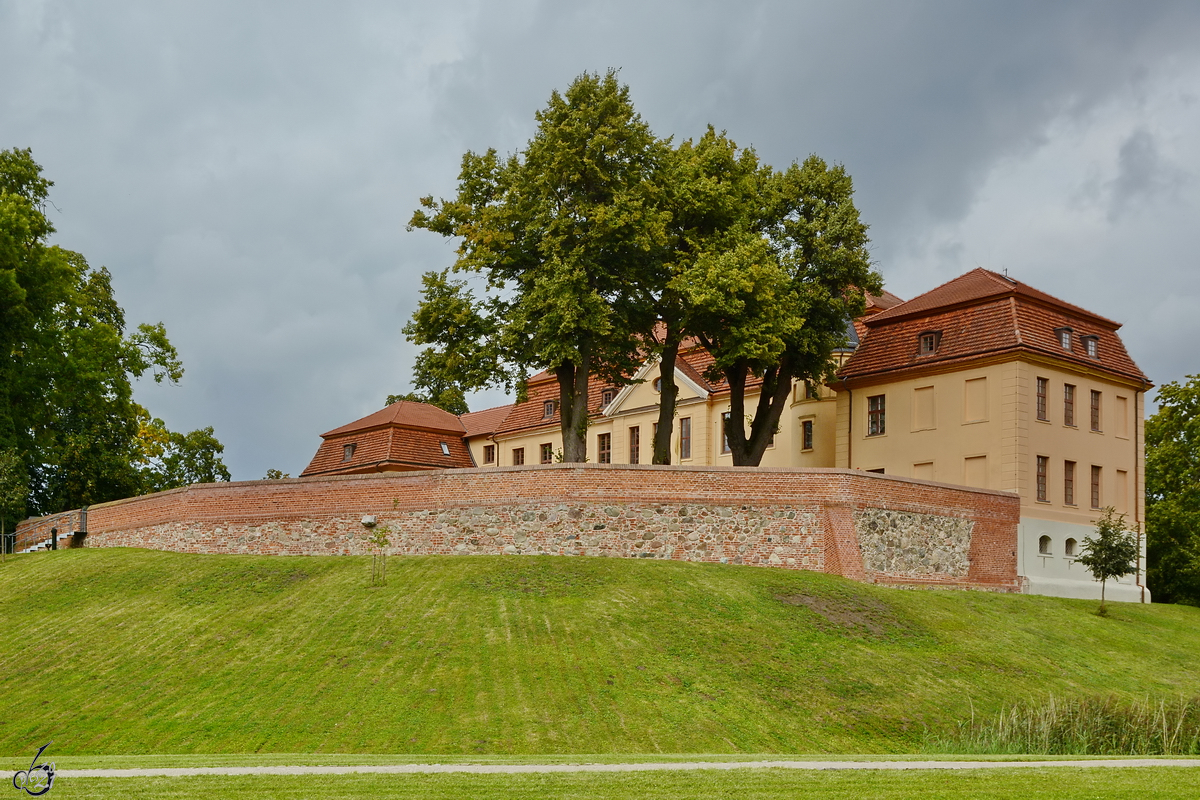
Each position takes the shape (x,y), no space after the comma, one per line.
(1044,546)
(1072,547)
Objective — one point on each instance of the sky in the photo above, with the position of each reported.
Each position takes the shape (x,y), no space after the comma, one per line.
(247,170)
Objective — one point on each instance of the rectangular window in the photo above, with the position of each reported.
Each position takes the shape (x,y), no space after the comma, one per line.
(1043,464)
(606,397)
(1069,483)
(1122,491)
(348,452)
(489,454)
(876,415)
(635,445)
(1095,410)
(548,409)
(685,437)
(547,452)
(1068,404)
(806,435)
(1095,486)
(812,391)
(604,448)
(725,432)
(518,456)
(1043,389)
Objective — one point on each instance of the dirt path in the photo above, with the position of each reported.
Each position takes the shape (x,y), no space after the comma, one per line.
(488,769)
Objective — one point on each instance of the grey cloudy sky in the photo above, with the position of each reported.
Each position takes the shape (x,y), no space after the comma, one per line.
(246,170)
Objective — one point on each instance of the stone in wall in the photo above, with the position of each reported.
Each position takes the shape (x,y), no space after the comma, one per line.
(903,543)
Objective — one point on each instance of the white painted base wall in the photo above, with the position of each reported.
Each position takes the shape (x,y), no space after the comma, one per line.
(1057,574)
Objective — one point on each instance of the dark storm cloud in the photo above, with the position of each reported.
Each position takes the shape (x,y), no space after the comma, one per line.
(246,170)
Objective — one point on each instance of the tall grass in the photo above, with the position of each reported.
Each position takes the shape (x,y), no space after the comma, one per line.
(1083,726)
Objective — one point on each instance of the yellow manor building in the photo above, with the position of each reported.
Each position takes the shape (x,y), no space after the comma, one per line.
(983,381)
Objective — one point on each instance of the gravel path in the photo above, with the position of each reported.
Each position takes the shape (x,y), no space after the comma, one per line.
(491,769)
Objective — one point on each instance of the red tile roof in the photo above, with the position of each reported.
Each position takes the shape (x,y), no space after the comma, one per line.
(976,285)
(403,436)
(408,413)
(478,423)
(983,314)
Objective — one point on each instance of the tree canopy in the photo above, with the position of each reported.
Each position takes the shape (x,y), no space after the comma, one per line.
(66,397)
(1173,494)
(600,246)
(562,233)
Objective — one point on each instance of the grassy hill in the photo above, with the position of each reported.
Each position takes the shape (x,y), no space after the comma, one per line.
(132,651)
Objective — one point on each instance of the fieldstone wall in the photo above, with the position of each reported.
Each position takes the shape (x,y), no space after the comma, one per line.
(847,522)
(773,536)
(904,544)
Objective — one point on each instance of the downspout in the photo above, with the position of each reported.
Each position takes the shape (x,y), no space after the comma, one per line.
(850,430)
(1138,466)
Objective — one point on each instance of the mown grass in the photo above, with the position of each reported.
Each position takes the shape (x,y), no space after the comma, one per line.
(142,652)
(760,784)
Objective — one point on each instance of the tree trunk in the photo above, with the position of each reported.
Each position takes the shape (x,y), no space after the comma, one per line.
(1102,595)
(772,399)
(573,410)
(668,394)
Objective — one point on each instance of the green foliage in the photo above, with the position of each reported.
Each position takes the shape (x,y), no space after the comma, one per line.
(170,459)
(1112,552)
(773,294)
(563,234)
(65,379)
(14,487)
(1173,494)
(276,475)
(1109,726)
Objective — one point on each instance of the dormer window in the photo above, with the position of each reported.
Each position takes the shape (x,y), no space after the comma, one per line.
(1064,337)
(606,397)
(548,409)
(445,449)
(1091,346)
(929,342)
(348,452)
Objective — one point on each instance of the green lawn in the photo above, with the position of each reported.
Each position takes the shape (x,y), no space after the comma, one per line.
(767,784)
(143,652)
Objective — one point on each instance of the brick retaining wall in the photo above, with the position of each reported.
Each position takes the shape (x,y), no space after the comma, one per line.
(819,519)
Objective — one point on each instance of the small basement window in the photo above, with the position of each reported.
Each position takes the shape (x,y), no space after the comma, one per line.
(1072,547)
(445,449)
(348,452)
(1044,546)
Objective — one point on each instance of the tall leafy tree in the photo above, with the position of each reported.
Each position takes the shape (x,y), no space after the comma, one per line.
(66,401)
(14,487)
(562,233)
(772,302)
(1173,494)
(709,188)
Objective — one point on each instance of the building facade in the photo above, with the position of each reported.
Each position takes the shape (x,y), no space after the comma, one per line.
(983,382)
